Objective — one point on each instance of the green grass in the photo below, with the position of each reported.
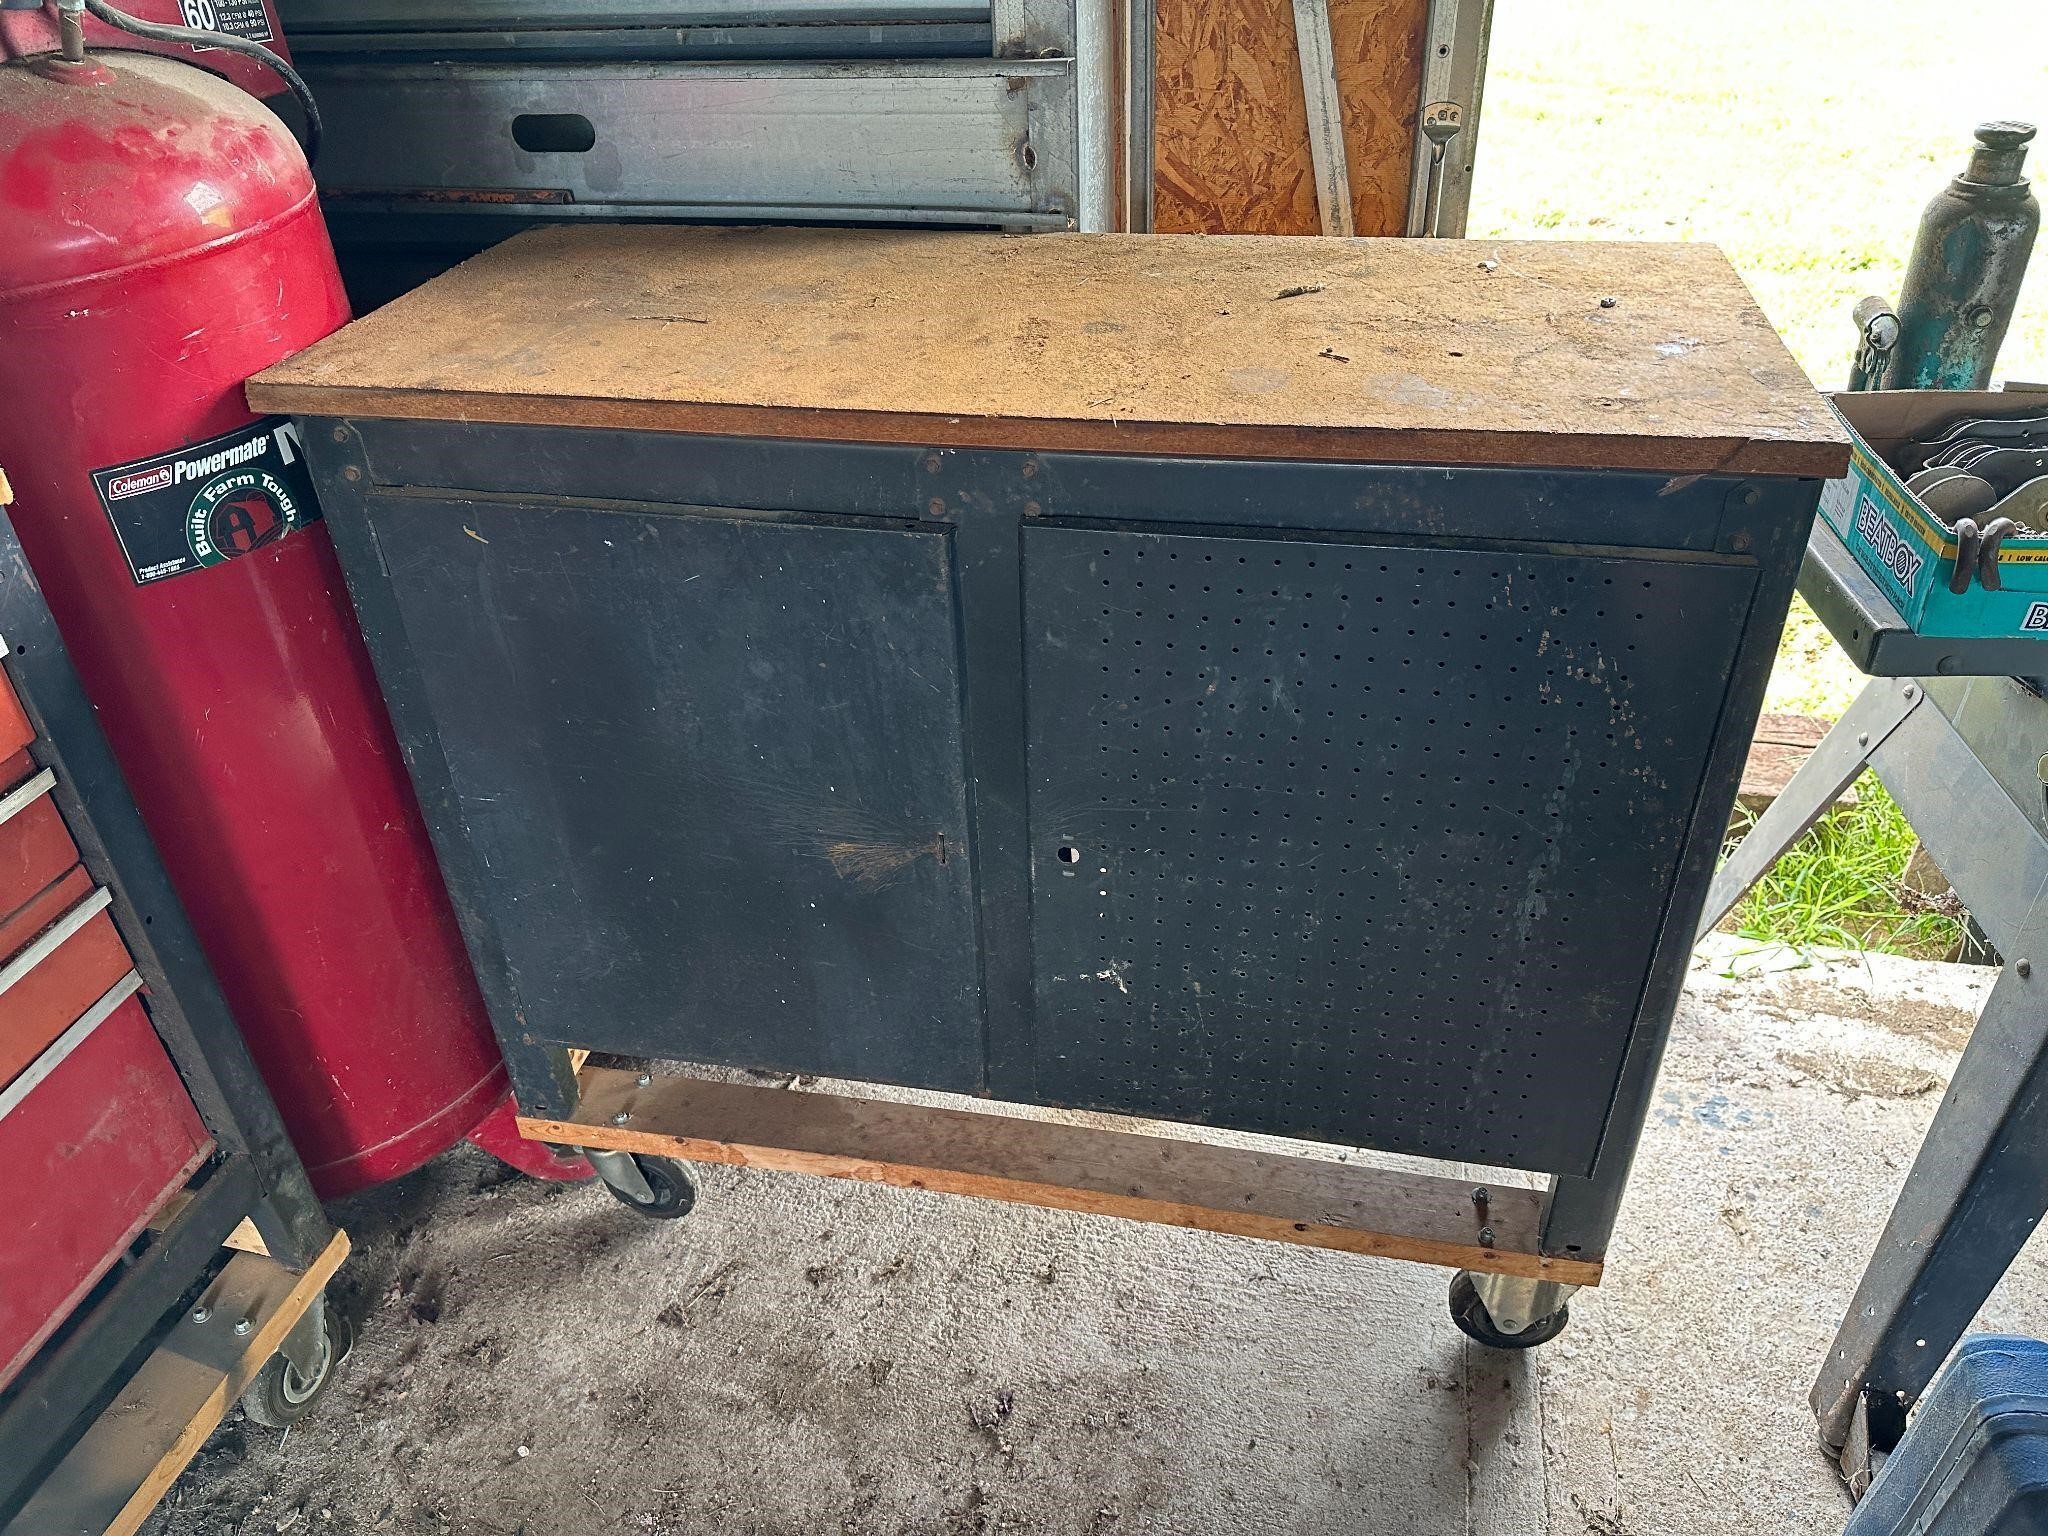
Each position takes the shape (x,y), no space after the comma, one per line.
(1803,139)
(1839,887)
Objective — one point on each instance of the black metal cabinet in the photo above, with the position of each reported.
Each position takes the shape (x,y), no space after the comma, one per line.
(1124,675)
(1360,832)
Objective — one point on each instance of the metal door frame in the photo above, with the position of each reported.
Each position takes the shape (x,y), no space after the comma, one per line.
(1453,70)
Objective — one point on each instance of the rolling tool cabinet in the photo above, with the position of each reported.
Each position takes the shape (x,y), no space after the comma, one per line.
(137,1138)
(1287,685)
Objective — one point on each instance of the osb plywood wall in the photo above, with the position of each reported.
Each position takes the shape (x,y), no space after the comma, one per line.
(1231,131)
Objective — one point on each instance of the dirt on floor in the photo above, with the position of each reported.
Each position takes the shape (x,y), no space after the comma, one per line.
(803,1355)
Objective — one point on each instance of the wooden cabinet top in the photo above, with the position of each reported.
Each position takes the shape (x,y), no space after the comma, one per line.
(1467,352)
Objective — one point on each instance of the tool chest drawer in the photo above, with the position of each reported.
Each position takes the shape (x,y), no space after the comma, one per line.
(59,951)
(15,731)
(95,1136)
(35,845)
(135,1132)
(96,1127)
(62,953)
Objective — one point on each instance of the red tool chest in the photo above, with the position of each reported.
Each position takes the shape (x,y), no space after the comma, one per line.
(96,1128)
(136,1134)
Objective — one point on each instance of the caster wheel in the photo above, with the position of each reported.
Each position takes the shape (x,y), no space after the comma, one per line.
(1472,1318)
(280,1395)
(674,1193)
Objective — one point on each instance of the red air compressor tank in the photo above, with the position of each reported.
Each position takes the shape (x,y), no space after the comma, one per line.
(34,30)
(159,243)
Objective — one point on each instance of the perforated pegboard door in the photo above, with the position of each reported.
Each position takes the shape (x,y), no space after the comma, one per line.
(1367,844)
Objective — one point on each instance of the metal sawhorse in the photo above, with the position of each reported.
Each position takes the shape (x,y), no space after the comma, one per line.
(1957,732)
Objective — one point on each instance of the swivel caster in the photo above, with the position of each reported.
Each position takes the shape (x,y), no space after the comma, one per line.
(653,1186)
(1506,1312)
(296,1377)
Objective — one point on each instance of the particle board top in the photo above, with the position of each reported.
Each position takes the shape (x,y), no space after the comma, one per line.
(1377,351)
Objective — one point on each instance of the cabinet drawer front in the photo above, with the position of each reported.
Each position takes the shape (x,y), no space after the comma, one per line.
(58,955)
(93,1149)
(35,846)
(15,731)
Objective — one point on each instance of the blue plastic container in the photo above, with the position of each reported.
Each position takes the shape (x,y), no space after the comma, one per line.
(1974,1460)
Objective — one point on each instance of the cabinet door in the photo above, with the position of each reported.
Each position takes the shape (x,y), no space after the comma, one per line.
(708,777)
(1364,843)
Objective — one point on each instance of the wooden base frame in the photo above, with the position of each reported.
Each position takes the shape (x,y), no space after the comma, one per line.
(114,1477)
(1310,1201)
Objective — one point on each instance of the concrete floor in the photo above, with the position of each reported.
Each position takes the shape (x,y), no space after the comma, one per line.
(809,1355)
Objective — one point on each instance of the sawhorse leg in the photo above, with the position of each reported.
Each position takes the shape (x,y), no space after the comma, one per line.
(1832,767)
(1979,1185)
(1977,1189)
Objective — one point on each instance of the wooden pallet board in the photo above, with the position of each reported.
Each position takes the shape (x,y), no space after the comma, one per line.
(129,1459)
(1290,1198)
(1782,743)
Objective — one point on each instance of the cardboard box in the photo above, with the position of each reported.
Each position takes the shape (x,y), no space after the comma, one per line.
(1909,550)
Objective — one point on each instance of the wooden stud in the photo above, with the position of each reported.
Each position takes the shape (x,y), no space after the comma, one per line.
(1310,1201)
(1325,118)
